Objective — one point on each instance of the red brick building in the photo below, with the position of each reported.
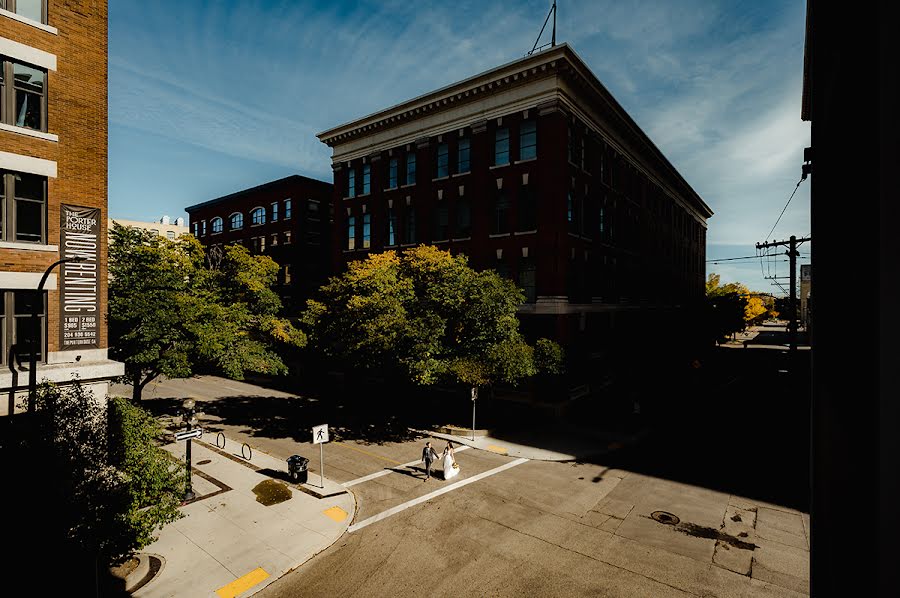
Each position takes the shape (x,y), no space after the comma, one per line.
(53,163)
(288,220)
(535,170)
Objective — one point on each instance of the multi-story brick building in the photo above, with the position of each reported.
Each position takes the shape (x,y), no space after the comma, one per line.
(288,220)
(164,227)
(534,169)
(53,191)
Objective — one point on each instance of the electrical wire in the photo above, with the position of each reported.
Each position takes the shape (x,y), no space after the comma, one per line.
(783,210)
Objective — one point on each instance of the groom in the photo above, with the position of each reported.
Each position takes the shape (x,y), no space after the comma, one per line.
(428,456)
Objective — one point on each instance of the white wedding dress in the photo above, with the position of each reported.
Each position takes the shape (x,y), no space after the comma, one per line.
(449,470)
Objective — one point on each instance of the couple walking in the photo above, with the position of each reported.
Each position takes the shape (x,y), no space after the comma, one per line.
(450,466)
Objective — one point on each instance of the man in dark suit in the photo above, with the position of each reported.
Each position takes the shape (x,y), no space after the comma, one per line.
(429,456)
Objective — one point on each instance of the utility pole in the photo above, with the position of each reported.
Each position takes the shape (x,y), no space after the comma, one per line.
(792,254)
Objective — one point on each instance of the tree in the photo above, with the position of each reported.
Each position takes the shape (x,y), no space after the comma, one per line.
(114,486)
(426,316)
(173,309)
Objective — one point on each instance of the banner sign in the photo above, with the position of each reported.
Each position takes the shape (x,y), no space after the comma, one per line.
(79,287)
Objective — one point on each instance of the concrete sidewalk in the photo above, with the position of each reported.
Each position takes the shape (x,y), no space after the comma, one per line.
(231,544)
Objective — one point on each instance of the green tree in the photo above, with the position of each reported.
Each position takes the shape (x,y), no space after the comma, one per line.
(115,486)
(426,316)
(174,309)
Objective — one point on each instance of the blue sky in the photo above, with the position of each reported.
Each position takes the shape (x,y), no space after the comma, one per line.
(207,97)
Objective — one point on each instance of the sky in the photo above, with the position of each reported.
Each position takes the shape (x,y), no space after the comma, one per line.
(211,97)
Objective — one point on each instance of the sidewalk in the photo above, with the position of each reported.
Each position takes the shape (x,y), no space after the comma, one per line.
(229,543)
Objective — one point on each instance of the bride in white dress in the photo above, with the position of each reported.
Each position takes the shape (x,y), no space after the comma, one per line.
(451,468)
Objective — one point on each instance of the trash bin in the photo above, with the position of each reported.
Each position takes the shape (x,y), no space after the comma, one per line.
(298,468)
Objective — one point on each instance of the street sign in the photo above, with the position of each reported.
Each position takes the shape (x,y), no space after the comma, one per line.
(320,434)
(187,434)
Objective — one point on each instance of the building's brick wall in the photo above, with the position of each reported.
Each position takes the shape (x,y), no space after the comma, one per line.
(77,113)
(308,261)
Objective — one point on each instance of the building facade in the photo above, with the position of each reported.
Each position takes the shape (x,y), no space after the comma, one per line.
(532,169)
(53,190)
(288,220)
(164,227)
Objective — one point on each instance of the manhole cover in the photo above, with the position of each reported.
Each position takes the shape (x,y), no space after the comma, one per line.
(665,517)
(204,462)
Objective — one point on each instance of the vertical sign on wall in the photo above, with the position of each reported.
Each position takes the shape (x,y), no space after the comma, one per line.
(79,289)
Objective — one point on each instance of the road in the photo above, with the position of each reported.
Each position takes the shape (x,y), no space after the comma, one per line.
(506,527)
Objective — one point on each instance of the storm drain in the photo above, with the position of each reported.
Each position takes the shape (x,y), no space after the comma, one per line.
(665,517)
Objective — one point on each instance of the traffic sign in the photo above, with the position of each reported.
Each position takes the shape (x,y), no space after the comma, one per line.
(320,434)
(188,434)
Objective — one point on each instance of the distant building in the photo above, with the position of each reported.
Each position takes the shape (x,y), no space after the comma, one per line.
(53,191)
(163,227)
(535,170)
(288,220)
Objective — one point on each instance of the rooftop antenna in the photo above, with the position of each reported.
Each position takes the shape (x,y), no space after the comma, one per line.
(552,43)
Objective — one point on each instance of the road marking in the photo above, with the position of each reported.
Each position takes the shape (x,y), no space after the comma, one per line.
(242,584)
(384,472)
(497,449)
(436,493)
(350,446)
(336,513)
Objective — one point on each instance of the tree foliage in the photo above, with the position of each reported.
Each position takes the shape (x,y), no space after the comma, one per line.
(116,487)
(427,316)
(174,309)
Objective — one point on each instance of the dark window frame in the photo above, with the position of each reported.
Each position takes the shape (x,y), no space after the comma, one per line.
(393,168)
(8,90)
(501,140)
(366,179)
(528,139)
(463,148)
(236,217)
(10,5)
(350,236)
(217,225)
(351,182)
(367,230)
(9,203)
(8,318)
(411,168)
(257,216)
(442,160)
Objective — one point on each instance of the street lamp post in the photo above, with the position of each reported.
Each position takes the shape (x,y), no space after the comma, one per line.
(190,419)
(36,331)
(474,396)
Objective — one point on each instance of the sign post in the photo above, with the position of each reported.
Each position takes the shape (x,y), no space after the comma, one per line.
(320,437)
(474,396)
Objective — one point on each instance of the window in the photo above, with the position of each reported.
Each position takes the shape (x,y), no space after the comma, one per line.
(17,327)
(463,218)
(351,182)
(23,97)
(273,239)
(287,209)
(463,154)
(36,10)
(409,225)
(170,234)
(441,223)
(367,179)
(367,231)
(273,212)
(411,168)
(391,221)
(236,221)
(287,237)
(287,274)
(602,221)
(527,140)
(203,227)
(392,173)
(23,198)
(257,216)
(196,226)
(527,279)
(258,244)
(351,232)
(570,211)
(443,161)
(527,209)
(216,224)
(500,220)
(501,146)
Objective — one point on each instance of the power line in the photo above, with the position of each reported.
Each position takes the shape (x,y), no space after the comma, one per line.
(785,208)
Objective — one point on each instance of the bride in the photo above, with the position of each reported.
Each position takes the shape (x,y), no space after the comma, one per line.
(451,468)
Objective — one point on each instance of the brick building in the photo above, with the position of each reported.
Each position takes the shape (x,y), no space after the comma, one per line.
(533,169)
(164,227)
(53,190)
(288,220)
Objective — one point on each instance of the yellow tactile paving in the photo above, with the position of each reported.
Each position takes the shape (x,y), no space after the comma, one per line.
(336,513)
(242,584)
(497,449)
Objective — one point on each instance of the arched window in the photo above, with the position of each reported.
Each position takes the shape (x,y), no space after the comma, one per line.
(216,224)
(258,216)
(237,221)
